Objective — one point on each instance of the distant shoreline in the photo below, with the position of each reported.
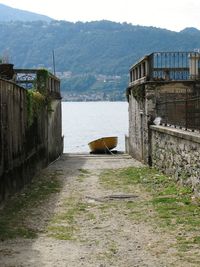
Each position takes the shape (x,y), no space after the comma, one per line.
(93,101)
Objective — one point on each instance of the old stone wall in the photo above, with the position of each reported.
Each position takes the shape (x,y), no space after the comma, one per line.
(172,150)
(155,99)
(141,111)
(177,153)
(135,141)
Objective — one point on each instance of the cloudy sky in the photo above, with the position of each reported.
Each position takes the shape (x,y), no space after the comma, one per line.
(171,14)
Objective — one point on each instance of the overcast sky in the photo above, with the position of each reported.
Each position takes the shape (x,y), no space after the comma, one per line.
(171,14)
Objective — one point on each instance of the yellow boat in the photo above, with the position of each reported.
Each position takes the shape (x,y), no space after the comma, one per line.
(103,145)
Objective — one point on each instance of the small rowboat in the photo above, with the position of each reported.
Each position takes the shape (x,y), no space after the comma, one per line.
(103,145)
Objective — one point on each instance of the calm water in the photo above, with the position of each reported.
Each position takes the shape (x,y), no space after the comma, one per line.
(87,121)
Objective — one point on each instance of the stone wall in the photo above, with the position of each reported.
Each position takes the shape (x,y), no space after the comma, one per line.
(135,128)
(177,153)
(145,105)
(137,142)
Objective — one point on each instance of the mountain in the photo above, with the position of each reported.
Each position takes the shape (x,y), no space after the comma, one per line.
(190,30)
(92,58)
(101,47)
(12,14)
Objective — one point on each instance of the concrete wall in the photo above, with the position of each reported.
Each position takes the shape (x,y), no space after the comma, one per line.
(24,148)
(55,139)
(177,153)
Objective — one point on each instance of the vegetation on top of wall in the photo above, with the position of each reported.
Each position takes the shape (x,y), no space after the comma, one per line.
(35,103)
(38,98)
(42,87)
(139,92)
(42,76)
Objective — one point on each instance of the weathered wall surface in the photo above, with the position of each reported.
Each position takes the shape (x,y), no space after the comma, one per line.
(177,153)
(143,109)
(24,148)
(174,151)
(55,140)
(135,128)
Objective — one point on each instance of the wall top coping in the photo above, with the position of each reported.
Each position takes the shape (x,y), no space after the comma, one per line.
(159,82)
(191,136)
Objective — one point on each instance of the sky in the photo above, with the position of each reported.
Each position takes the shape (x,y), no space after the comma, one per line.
(171,14)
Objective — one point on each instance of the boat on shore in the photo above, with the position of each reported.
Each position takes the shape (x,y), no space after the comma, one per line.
(103,145)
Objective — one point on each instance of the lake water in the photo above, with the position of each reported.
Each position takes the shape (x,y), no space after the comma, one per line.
(83,122)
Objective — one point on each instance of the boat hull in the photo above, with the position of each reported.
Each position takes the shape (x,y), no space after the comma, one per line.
(104,144)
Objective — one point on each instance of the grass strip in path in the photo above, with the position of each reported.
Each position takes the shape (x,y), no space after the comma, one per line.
(175,209)
(17,209)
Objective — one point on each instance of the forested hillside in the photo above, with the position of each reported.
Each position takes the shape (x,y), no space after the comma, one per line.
(92,58)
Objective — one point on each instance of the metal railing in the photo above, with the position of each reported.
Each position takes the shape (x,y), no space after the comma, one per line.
(166,66)
(180,108)
(28,79)
(174,66)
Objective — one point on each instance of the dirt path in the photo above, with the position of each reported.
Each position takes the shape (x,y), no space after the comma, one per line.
(88,225)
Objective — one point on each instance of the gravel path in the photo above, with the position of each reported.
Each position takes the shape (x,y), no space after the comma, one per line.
(103,234)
